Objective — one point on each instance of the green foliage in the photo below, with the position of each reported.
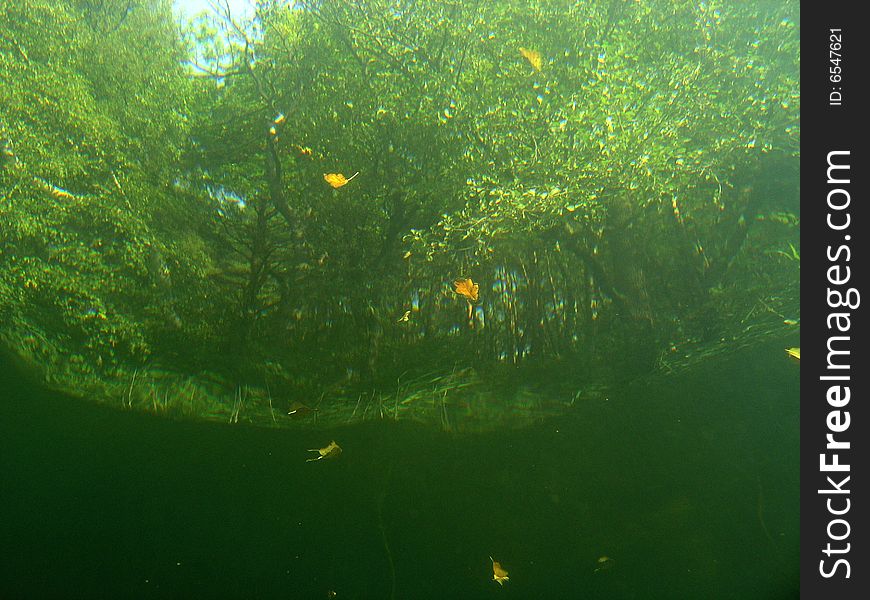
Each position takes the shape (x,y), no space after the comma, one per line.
(93,119)
(624,160)
(162,194)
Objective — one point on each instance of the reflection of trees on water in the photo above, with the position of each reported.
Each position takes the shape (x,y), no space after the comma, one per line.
(617,179)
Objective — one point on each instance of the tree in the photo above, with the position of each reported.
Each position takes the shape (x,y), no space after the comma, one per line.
(602,170)
(93,118)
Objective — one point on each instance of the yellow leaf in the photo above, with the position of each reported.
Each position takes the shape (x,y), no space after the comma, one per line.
(467,288)
(794,352)
(330,451)
(498,573)
(337,180)
(534,58)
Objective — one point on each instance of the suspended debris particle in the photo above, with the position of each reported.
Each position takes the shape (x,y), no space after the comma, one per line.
(498,573)
(303,150)
(604,563)
(791,322)
(337,180)
(330,451)
(279,119)
(298,409)
(794,352)
(405,317)
(406,255)
(534,58)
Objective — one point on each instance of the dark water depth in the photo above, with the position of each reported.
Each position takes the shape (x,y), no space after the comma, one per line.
(688,483)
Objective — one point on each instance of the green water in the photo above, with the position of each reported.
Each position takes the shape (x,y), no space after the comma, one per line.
(689,483)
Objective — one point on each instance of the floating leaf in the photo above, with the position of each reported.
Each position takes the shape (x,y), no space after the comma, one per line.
(534,58)
(498,573)
(467,288)
(338,180)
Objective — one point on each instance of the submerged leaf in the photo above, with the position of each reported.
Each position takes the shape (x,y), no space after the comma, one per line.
(498,573)
(298,409)
(604,563)
(330,451)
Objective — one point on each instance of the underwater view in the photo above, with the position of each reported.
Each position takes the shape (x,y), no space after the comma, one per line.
(395,299)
